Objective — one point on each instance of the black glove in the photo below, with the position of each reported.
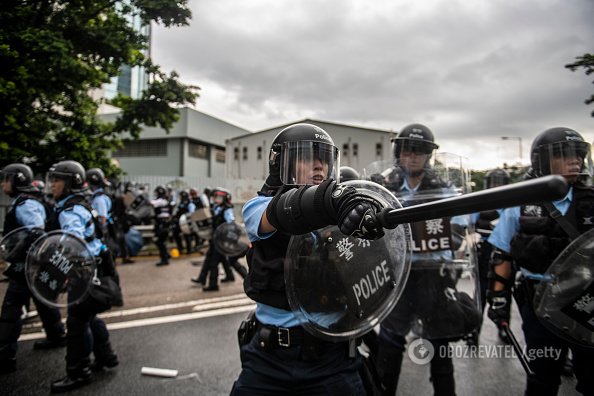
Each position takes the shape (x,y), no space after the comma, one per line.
(499,306)
(356,213)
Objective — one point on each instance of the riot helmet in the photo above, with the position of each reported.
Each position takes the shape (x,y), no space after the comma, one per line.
(72,173)
(413,148)
(193,192)
(96,178)
(495,178)
(39,185)
(160,192)
(20,177)
(207,190)
(221,196)
(302,154)
(184,196)
(560,151)
(347,173)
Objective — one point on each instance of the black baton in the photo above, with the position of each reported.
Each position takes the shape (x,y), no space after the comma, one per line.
(517,348)
(542,189)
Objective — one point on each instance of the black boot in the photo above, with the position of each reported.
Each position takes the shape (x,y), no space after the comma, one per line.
(73,380)
(105,357)
(211,288)
(50,343)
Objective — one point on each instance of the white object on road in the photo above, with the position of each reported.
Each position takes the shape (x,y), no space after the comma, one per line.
(159,372)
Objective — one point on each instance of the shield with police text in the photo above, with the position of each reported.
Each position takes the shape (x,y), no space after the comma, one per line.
(60,269)
(441,299)
(564,298)
(231,239)
(341,286)
(14,247)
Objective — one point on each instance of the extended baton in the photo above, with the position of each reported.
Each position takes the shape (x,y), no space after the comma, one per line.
(542,189)
(517,348)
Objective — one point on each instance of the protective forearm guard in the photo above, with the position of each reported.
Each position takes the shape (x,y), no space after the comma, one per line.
(304,209)
(498,257)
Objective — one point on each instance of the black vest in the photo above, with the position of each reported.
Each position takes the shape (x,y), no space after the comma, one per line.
(219,219)
(541,239)
(10,220)
(54,222)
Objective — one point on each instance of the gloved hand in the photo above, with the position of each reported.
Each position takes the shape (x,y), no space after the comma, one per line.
(499,306)
(357,213)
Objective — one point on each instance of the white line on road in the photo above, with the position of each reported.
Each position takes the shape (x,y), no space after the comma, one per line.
(159,320)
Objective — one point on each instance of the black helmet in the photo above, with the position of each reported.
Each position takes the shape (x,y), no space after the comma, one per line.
(160,192)
(184,196)
(20,177)
(347,173)
(558,142)
(71,172)
(416,137)
(207,190)
(222,192)
(301,143)
(96,177)
(495,178)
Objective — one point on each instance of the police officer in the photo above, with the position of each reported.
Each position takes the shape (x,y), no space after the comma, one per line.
(529,238)
(86,332)
(300,195)
(184,207)
(162,210)
(485,222)
(199,203)
(347,173)
(26,210)
(412,179)
(100,201)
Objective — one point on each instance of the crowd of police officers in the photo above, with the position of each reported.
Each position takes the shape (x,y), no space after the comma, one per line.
(302,193)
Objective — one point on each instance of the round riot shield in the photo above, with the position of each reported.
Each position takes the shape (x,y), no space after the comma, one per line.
(186,225)
(341,286)
(564,298)
(14,247)
(59,269)
(231,239)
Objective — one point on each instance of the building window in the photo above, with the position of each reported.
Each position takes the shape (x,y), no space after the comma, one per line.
(378,149)
(355,149)
(143,148)
(345,150)
(245,153)
(236,153)
(220,155)
(197,150)
(259,151)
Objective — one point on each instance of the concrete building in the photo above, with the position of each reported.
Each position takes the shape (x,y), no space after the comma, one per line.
(195,147)
(247,155)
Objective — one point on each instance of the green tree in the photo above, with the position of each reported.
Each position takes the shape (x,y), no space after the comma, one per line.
(585,61)
(53,53)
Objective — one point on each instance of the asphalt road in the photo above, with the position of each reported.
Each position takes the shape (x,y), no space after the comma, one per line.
(168,322)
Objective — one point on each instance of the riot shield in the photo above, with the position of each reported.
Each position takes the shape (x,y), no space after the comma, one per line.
(59,269)
(441,297)
(231,239)
(186,225)
(564,298)
(341,286)
(14,247)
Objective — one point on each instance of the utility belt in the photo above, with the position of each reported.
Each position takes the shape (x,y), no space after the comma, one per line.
(269,338)
(524,292)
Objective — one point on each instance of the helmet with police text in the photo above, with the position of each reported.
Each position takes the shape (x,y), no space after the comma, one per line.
(415,138)
(495,178)
(347,173)
(560,151)
(73,174)
(20,177)
(96,177)
(160,192)
(221,196)
(302,154)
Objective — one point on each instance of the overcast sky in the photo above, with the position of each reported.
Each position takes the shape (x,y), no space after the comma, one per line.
(471,70)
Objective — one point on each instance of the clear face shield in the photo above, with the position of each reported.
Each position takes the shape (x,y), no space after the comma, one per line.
(308,162)
(568,159)
(495,181)
(414,157)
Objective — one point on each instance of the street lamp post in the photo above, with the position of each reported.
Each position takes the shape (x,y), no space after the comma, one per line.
(519,139)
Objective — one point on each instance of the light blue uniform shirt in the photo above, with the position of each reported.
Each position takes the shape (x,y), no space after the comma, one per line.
(228,214)
(252,215)
(30,213)
(191,207)
(102,204)
(75,221)
(509,223)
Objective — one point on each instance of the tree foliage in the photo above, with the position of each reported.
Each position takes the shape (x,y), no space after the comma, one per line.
(586,62)
(53,53)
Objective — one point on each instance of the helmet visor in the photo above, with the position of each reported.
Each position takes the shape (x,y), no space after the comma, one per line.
(565,158)
(308,162)
(496,180)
